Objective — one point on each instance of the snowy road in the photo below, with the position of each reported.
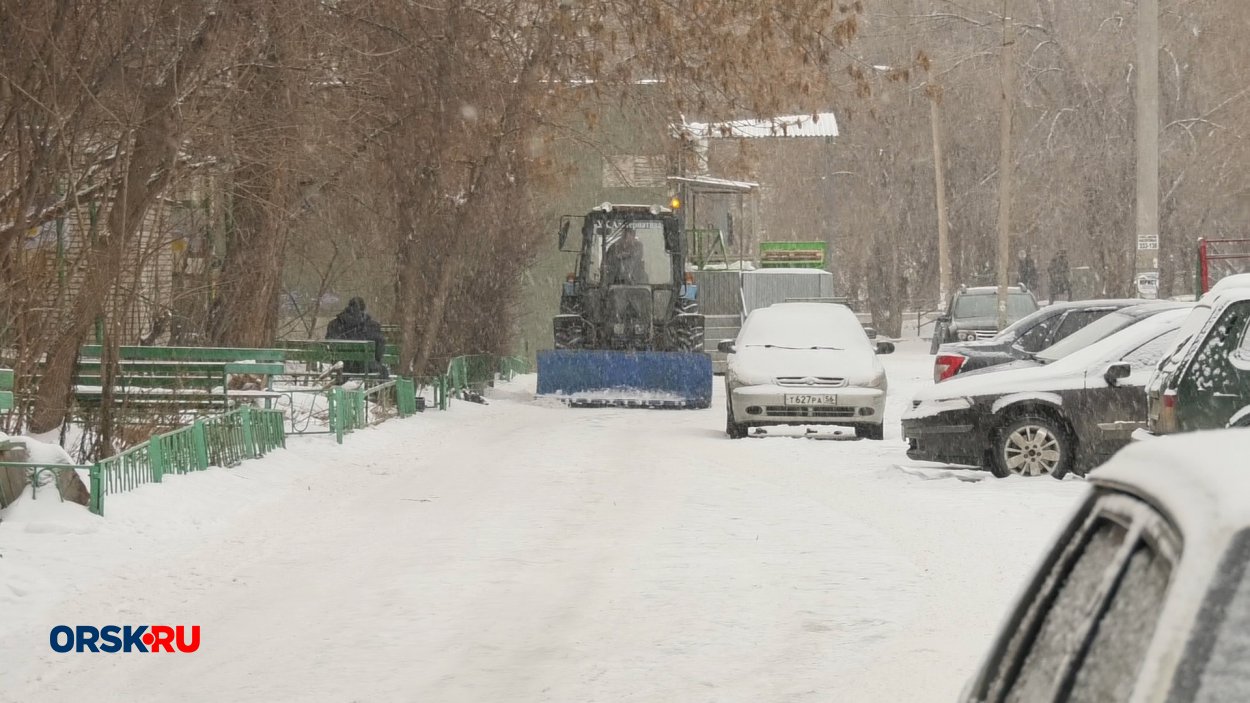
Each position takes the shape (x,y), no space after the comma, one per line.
(524,552)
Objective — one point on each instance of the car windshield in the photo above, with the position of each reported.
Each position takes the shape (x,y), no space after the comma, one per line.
(1099,329)
(986,305)
(803,326)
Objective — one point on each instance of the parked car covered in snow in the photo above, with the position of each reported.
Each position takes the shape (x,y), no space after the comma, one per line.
(1203,380)
(1093,333)
(1066,416)
(1023,338)
(973,314)
(1145,594)
(804,363)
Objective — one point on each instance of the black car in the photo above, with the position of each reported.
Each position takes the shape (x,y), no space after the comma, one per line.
(1093,333)
(973,314)
(1065,416)
(1024,338)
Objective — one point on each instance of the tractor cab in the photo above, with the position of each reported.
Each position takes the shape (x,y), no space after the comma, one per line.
(627,245)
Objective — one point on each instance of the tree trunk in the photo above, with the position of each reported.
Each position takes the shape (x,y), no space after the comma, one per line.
(152,152)
(246,312)
(437,311)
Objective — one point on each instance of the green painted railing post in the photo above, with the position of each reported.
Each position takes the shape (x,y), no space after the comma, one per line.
(96,503)
(199,439)
(338,404)
(358,407)
(249,443)
(406,397)
(156,459)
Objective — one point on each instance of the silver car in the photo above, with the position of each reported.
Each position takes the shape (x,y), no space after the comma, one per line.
(804,364)
(1145,594)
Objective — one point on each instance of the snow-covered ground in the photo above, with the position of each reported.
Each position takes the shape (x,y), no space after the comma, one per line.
(524,551)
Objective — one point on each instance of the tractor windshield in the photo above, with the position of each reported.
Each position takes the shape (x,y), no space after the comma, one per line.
(631,253)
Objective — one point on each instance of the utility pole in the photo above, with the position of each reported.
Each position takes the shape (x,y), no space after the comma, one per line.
(1004,167)
(939,182)
(1146,256)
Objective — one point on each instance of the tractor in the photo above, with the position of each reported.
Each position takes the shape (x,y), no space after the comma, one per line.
(629,330)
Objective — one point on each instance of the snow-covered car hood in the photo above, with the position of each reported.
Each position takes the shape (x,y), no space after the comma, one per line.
(758,365)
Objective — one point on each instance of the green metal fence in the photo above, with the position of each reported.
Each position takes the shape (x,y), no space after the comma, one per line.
(34,471)
(474,372)
(218,440)
(356,408)
(511,366)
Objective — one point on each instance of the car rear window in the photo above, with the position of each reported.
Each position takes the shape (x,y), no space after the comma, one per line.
(1192,326)
(979,305)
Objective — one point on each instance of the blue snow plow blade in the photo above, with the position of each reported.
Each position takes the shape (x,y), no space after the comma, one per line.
(588,378)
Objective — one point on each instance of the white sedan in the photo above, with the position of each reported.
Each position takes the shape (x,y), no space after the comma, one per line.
(804,364)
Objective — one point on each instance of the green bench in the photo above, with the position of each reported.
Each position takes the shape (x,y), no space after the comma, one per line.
(327,351)
(6,389)
(177,380)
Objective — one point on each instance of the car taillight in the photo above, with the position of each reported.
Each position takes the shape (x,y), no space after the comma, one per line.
(946,365)
(1166,424)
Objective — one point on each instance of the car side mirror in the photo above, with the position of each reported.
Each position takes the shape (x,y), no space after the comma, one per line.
(885,347)
(945,319)
(1117,372)
(725,346)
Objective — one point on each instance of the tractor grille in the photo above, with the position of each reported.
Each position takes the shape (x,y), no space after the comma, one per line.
(800,411)
(811,381)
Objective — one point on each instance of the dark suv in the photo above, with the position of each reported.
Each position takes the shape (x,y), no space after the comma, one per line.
(1024,338)
(1203,381)
(973,314)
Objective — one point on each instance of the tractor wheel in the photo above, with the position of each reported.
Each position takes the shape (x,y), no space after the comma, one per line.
(688,338)
(570,337)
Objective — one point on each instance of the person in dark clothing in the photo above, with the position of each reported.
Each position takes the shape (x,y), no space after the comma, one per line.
(356,324)
(1059,282)
(624,263)
(1027,271)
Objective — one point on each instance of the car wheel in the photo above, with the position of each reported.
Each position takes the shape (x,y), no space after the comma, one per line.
(870,431)
(733,429)
(1032,445)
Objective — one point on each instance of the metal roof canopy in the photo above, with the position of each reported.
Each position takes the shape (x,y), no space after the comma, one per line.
(709,185)
(822,124)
